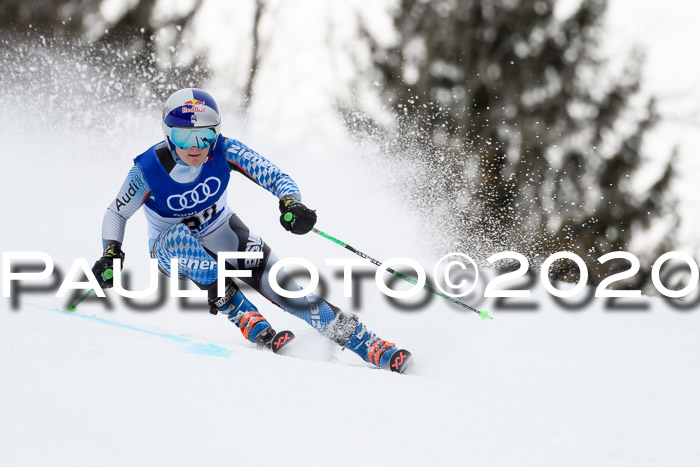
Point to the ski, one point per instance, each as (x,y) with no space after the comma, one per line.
(275,341)
(400,361)
(281,340)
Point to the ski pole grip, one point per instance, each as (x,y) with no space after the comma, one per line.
(108,274)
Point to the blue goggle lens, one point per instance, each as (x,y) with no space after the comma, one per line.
(186,138)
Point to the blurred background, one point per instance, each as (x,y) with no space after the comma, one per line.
(535,126)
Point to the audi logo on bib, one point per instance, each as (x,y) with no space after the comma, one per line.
(195,196)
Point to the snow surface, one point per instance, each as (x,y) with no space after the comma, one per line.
(551,387)
(179,387)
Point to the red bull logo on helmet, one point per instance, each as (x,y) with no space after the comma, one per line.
(193,105)
(194,102)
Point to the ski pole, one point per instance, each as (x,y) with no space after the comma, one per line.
(74,307)
(108,274)
(483,314)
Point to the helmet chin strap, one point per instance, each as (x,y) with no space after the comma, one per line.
(176,158)
(174,155)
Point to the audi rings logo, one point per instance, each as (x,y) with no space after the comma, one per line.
(197,195)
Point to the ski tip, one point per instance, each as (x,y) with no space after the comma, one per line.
(281,339)
(400,361)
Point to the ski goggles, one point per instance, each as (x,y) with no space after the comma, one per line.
(186,138)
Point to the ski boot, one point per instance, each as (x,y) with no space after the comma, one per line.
(248,319)
(353,335)
(240,312)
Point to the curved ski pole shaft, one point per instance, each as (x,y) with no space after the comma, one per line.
(483,314)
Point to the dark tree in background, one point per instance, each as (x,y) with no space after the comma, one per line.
(61,17)
(523,138)
(135,44)
(146,40)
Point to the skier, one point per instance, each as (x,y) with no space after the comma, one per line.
(182,182)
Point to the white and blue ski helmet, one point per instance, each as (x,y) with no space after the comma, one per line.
(190,108)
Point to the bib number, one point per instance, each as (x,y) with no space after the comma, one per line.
(196,222)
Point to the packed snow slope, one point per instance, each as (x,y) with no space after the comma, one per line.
(173,386)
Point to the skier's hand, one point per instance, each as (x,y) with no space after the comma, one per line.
(104,267)
(296,217)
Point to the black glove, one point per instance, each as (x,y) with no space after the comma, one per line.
(296,217)
(104,267)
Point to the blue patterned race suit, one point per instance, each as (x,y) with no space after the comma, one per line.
(189,219)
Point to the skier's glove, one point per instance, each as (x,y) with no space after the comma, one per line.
(104,267)
(296,217)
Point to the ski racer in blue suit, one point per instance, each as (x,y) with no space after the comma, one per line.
(181,183)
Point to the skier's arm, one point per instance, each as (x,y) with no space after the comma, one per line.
(260,170)
(295,217)
(131,196)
